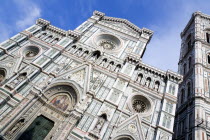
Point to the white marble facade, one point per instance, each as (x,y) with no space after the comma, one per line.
(90,83)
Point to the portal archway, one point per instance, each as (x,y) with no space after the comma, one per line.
(126,137)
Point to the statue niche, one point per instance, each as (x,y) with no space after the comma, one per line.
(102,119)
(17,81)
(14,129)
(2,75)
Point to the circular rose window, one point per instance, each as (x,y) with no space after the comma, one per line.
(140,104)
(108,42)
(30,51)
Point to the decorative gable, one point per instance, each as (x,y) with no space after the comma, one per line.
(130,127)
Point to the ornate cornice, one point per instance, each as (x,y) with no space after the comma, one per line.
(174,76)
(147,31)
(73,34)
(125,21)
(56,30)
(97,13)
(42,22)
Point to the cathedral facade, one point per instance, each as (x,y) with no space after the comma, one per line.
(84,84)
(193,110)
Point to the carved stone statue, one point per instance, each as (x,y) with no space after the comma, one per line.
(1,78)
(17,81)
(17,126)
(44,82)
(99,125)
(84,103)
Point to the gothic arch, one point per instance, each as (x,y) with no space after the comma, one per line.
(208,57)
(124,137)
(77,89)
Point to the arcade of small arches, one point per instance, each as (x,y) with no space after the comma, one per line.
(49,38)
(96,57)
(147,82)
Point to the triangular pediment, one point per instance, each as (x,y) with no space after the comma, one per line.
(11,65)
(79,74)
(131,127)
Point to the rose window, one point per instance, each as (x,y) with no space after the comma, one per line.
(139,106)
(108,42)
(30,51)
(30,54)
(108,45)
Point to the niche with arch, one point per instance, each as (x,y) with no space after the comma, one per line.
(124,138)
(2,74)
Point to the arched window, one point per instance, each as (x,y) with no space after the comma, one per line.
(182,96)
(118,67)
(208,57)
(42,35)
(184,69)
(208,37)
(139,77)
(85,53)
(48,38)
(157,85)
(189,42)
(55,40)
(96,55)
(79,51)
(172,89)
(189,62)
(148,81)
(188,89)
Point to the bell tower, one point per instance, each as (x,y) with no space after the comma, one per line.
(192,114)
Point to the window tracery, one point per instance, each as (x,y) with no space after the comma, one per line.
(140,104)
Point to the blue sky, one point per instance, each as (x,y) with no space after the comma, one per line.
(166,18)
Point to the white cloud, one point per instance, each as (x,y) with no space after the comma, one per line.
(30,11)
